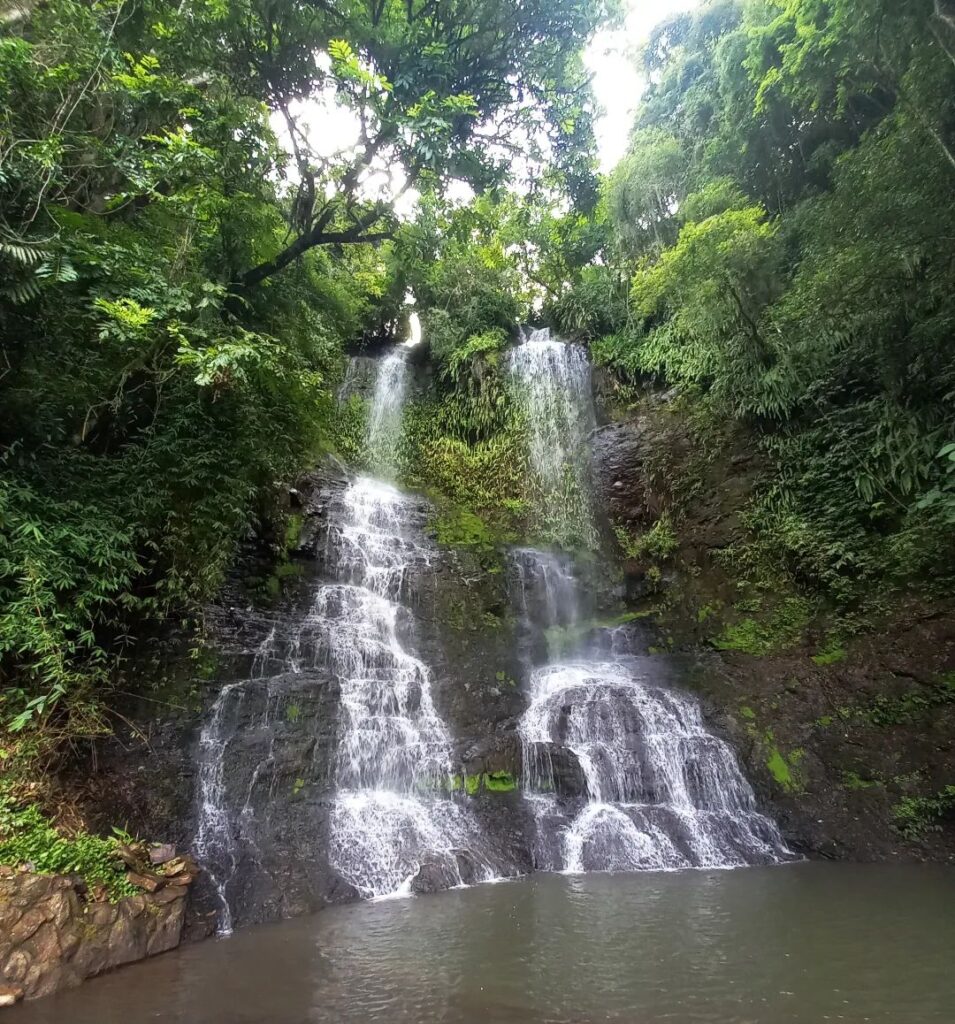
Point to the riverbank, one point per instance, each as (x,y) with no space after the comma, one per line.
(57,930)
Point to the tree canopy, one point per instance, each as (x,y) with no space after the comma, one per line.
(197,218)
(784,215)
(205,204)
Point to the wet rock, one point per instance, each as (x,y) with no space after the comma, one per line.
(51,938)
(146,882)
(131,855)
(162,853)
(620,457)
(10,994)
(560,764)
(433,876)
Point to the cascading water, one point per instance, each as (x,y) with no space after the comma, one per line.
(553,380)
(620,771)
(387,407)
(394,753)
(391,825)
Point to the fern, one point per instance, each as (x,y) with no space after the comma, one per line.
(35,267)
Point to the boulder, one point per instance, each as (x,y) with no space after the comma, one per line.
(146,881)
(52,936)
(433,876)
(161,853)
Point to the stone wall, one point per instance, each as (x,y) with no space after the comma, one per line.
(51,937)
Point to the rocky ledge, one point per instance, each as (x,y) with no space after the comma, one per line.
(54,932)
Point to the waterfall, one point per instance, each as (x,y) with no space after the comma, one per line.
(553,386)
(385,814)
(394,753)
(619,770)
(387,407)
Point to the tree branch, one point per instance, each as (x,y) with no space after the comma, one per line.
(354,235)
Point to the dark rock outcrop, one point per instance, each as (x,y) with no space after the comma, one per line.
(51,937)
(834,742)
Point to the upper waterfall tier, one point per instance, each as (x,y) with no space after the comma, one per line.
(387,409)
(553,385)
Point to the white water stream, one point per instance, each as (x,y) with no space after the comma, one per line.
(393,825)
(655,789)
(394,751)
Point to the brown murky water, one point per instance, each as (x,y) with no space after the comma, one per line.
(803,943)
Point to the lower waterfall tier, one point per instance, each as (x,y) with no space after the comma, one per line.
(622,775)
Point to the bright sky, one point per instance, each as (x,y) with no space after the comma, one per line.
(616,83)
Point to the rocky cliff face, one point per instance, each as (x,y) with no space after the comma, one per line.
(276,731)
(832,749)
(843,744)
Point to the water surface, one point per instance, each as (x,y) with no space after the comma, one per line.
(806,943)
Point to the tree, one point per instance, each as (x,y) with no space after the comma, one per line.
(798,274)
(450,90)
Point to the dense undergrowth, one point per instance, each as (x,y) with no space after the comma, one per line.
(778,248)
(29,839)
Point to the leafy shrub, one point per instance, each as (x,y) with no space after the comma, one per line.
(657,543)
(914,816)
(27,837)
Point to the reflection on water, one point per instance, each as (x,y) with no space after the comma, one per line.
(804,943)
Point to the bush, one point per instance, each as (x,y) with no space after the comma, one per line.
(27,837)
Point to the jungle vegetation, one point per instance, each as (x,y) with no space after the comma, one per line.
(185,261)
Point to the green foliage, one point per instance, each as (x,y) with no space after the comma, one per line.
(491,782)
(27,837)
(915,705)
(915,816)
(347,431)
(942,495)
(657,543)
(458,527)
(177,289)
(831,654)
(484,482)
(854,781)
(778,630)
(499,782)
(779,769)
(785,214)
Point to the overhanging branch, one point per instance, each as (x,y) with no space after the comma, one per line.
(358,234)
